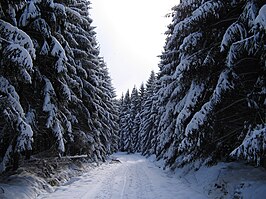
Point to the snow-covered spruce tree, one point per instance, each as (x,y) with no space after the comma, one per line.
(247,56)
(211,82)
(91,104)
(54,85)
(111,106)
(120,103)
(16,65)
(135,108)
(138,117)
(148,115)
(130,121)
(125,123)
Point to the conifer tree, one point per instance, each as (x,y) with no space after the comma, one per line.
(148,116)
(125,123)
(54,86)
(208,82)
(135,108)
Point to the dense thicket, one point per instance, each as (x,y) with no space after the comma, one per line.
(56,95)
(208,101)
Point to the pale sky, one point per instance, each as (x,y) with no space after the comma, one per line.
(131,36)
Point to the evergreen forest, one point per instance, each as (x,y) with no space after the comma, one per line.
(206,103)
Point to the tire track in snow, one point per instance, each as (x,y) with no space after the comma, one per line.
(134,178)
(124,184)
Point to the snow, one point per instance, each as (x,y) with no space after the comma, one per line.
(189,3)
(249,14)
(201,117)
(16,36)
(208,10)
(235,32)
(9,90)
(52,120)
(190,43)
(134,178)
(60,10)
(18,55)
(261,18)
(74,16)
(30,117)
(45,49)
(193,96)
(48,92)
(26,136)
(57,50)
(30,12)
(225,180)
(253,144)
(57,130)
(40,25)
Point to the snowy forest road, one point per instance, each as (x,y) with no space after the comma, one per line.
(134,178)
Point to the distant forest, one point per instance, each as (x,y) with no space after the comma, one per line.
(206,103)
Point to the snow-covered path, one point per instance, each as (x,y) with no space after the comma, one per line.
(134,178)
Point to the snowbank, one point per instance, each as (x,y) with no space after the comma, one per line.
(40,176)
(224,180)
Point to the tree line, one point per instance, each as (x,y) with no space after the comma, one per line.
(56,95)
(207,101)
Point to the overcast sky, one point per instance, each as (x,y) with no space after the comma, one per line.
(131,36)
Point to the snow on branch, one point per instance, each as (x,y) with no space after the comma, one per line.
(249,13)
(48,106)
(60,10)
(191,44)
(58,132)
(25,137)
(31,11)
(16,36)
(13,97)
(260,21)
(20,57)
(235,32)
(188,64)
(40,26)
(74,16)
(192,98)
(189,4)
(65,91)
(193,135)
(52,121)
(253,146)
(249,45)
(14,116)
(58,51)
(210,10)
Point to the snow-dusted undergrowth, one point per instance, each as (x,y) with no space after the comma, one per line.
(38,176)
